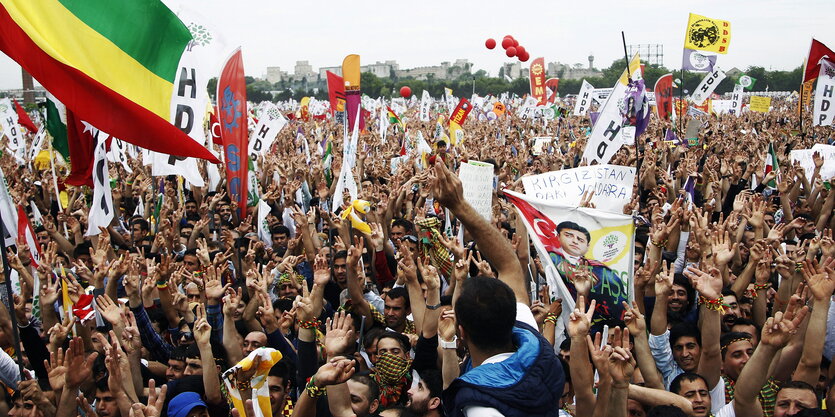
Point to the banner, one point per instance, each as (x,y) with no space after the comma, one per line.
(8,120)
(824,111)
(664,97)
(25,233)
(539,144)
(37,143)
(231,97)
(101,209)
(606,135)
(118,154)
(760,104)
(537,78)
(462,110)
(570,239)
(581,106)
(706,87)
(551,87)
(736,100)
(611,184)
(270,123)
(336,92)
(817,50)
(425,104)
(706,34)
(805,97)
(477,182)
(8,212)
(696,61)
(804,158)
(351,75)
(450,99)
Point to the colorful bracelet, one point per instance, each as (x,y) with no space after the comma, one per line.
(243,385)
(309,324)
(716,304)
(551,318)
(312,390)
(765,286)
(660,244)
(798,266)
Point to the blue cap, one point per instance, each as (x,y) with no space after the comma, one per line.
(183,403)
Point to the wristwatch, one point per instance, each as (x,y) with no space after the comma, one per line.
(433,307)
(448,345)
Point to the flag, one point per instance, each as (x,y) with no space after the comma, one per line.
(393,118)
(706,87)
(736,100)
(336,92)
(351,75)
(56,124)
(101,209)
(747,81)
(23,118)
(425,103)
(697,61)
(214,126)
(816,51)
(690,190)
(8,212)
(551,87)
(824,111)
(9,123)
(771,164)
(83,310)
(269,125)
(361,207)
(114,65)
(258,382)
(26,234)
(231,97)
(263,226)
(583,100)
(664,97)
(670,138)
(82,139)
(461,111)
(706,34)
(537,80)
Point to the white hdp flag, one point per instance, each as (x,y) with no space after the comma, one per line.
(706,87)
(384,123)
(8,120)
(37,143)
(101,211)
(263,227)
(118,153)
(9,213)
(450,99)
(736,100)
(346,174)
(607,134)
(269,125)
(425,103)
(824,112)
(581,106)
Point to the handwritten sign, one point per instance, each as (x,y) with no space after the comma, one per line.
(760,104)
(477,181)
(611,184)
(540,143)
(804,156)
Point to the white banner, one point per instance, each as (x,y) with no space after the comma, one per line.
(736,100)
(581,106)
(824,112)
(722,106)
(425,104)
(269,125)
(804,157)
(611,184)
(8,120)
(477,181)
(606,135)
(7,209)
(539,144)
(118,153)
(101,210)
(570,239)
(37,143)
(707,86)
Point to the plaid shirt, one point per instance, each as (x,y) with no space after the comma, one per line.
(159,349)
(378,318)
(767,395)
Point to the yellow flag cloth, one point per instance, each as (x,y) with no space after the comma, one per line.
(706,34)
(258,383)
(362,207)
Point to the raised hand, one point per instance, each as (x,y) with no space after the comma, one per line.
(621,361)
(55,369)
(722,247)
(335,371)
(820,280)
(109,309)
(429,274)
(79,365)
(664,280)
(778,330)
(447,325)
(633,319)
(202,328)
(708,285)
(446,187)
(339,335)
(579,321)
(213,287)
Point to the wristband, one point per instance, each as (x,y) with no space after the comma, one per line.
(716,304)
(433,307)
(448,344)
(309,324)
(312,390)
(660,244)
(551,318)
(243,385)
(758,287)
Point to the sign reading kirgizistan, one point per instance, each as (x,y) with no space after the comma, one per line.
(611,185)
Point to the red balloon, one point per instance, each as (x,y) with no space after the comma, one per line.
(507,43)
(524,57)
(511,52)
(508,36)
(515,43)
(520,50)
(490,43)
(405,91)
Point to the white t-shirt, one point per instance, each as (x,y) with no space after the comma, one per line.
(523,314)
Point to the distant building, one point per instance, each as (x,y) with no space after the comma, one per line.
(513,70)
(303,69)
(275,75)
(381,69)
(573,72)
(445,71)
(323,72)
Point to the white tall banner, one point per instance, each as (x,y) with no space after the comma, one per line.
(707,86)
(384,123)
(269,125)
(736,100)
(606,135)
(611,185)
(425,103)
(477,182)
(101,210)
(824,112)
(8,120)
(118,153)
(264,228)
(37,143)
(7,209)
(581,106)
(346,174)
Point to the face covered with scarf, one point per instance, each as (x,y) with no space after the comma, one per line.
(393,376)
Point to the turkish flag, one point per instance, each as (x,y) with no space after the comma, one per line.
(817,51)
(82,143)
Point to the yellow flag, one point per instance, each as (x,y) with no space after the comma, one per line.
(706,34)
(258,383)
(358,206)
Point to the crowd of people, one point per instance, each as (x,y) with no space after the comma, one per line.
(382,312)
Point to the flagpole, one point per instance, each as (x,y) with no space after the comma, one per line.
(7,274)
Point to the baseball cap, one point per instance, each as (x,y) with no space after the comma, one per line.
(183,403)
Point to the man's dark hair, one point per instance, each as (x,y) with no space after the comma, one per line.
(486,310)
(102,386)
(741,321)
(400,338)
(666,411)
(400,292)
(434,381)
(405,224)
(39,229)
(281,370)
(179,353)
(343,254)
(682,281)
(143,224)
(370,337)
(373,388)
(675,386)
(731,337)
(574,226)
(566,344)
(82,249)
(728,292)
(685,329)
(799,385)
(280,230)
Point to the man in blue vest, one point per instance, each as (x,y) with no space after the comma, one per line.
(512,369)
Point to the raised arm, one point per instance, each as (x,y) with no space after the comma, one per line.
(709,286)
(448,190)
(821,282)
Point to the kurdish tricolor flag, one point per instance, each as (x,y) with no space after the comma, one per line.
(771,164)
(113,63)
(394,119)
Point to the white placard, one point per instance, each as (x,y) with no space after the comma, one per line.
(612,186)
(477,180)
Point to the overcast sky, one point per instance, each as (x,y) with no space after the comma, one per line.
(769,33)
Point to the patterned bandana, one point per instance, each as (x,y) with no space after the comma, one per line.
(392,374)
(439,254)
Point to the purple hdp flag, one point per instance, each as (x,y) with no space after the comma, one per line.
(593,116)
(697,61)
(636,107)
(690,189)
(671,137)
